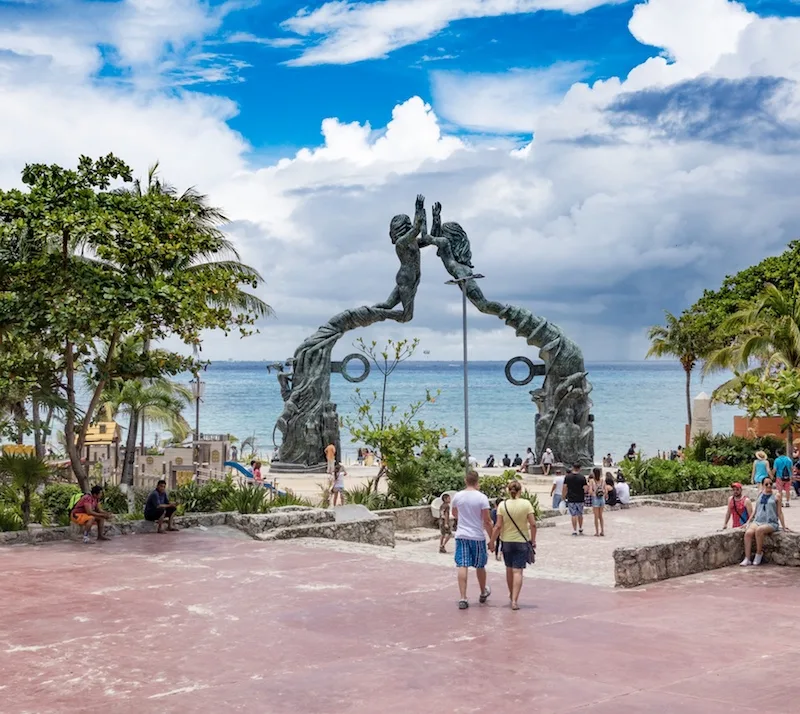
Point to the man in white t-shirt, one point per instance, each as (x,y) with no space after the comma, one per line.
(547,461)
(557,489)
(470,509)
(623,490)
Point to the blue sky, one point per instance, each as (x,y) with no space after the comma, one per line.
(609,158)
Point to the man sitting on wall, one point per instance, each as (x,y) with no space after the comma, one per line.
(87,512)
(158,507)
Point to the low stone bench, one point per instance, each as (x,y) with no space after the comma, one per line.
(651,563)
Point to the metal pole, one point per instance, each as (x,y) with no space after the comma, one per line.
(466,379)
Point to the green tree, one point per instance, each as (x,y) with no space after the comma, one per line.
(387,360)
(85,266)
(677,338)
(25,474)
(714,308)
(775,393)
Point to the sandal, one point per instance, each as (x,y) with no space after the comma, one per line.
(463,604)
(441,549)
(514,606)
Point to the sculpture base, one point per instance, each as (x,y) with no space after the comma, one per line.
(281,467)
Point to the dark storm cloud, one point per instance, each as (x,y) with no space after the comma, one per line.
(742,112)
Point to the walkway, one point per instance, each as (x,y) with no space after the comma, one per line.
(207,621)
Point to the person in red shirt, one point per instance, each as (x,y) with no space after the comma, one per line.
(87,512)
(739,508)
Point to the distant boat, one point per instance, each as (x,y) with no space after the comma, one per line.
(426,352)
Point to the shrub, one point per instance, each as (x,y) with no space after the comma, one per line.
(114,500)
(495,486)
(534,499)
(10,518)
(441,471)
(364,496)
(246,498)
(207,498)
(56,499)
(406,484)
(730,450)
(656,476)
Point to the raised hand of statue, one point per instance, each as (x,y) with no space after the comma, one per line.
(436,209)
(419,211)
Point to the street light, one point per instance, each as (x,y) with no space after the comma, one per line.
(461,282)
(198,390)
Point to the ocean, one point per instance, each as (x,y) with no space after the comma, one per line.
(640,402)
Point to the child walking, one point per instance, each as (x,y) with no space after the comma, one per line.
(445,526)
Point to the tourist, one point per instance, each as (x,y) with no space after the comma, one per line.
(558,487)
(158,507)
(87,512)
(471,510)
(514,517)
(517,461)
(251,468)
(768,519)
(760,468)
(330,457)
(608,462)
(796,479)
(337,487)
(623,490)
(597,489)
(679,454)
(547,461)
(445,526)
(274,457)
(489,462)
(360,458)
(493,515)
(611,491)
(575,488)
(447,449)
(631,453)
(530,461)
(506,461)
(740,509)
(782,469)
(473,462)
(257,473)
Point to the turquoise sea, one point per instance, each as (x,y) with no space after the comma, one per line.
(633,401)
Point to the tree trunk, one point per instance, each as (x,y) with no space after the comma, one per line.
(38,444)
(789,440)
(26,506)
(141,426)
(689,398)
(73,451)
(129,464)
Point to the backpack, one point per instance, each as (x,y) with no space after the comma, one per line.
(73,501)
(786,474)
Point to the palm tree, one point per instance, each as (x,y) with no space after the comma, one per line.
(26,474)
(219,256)
(158,401)
(676,339)
(767,339)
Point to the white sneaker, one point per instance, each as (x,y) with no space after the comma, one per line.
(745,562)
(85,537)
(758,559)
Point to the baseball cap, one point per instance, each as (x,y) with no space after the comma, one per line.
(736,485)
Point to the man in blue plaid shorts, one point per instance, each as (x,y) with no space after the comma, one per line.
(471,511)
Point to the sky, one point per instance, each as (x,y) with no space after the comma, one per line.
(609,159)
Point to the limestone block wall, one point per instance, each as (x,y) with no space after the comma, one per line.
(407,518)
(651,563)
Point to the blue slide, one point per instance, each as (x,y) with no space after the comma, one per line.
(241,469)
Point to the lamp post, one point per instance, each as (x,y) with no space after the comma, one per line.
(198,390)
(462,283)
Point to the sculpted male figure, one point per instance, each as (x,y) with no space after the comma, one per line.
(404,237)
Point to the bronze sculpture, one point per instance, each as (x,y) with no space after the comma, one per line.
(564,421)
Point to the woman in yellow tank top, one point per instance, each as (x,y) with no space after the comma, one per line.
(515,520)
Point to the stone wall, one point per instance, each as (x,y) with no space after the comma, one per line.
(279,524)
(375,531)
(651,563)
(708,498)
(407,518)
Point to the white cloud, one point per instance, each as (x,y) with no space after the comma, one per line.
(505,102)
(247,37)
(352,31)
(598,225)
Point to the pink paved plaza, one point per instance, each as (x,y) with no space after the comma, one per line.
(207,622)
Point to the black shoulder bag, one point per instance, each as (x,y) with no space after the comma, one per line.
(531,547)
